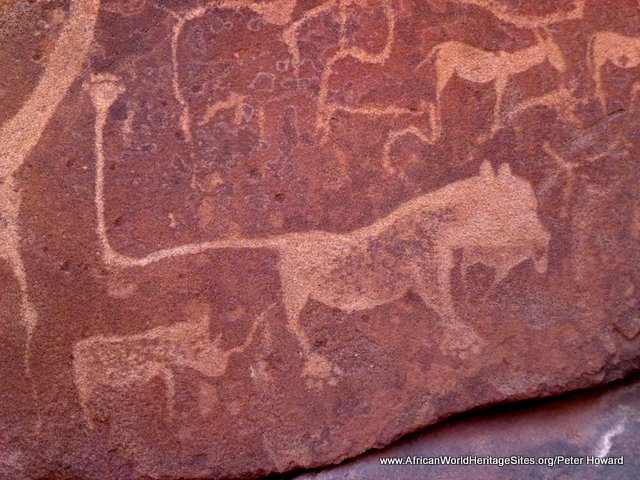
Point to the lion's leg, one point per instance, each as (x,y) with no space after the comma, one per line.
(85,377)
(295,298)
(445,266)
(85,390)
(143,374)
(166,375)
(435,294)
(457,336)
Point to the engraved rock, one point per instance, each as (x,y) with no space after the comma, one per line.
(242,237)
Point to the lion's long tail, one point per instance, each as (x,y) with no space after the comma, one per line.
(125,261)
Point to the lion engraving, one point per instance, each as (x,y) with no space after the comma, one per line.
(491,217)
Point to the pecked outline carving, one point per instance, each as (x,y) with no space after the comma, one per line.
(336,269)
(480,66)
(20,134)
(325,109)
(127,360)
(516,61)
(621,50)
(499,11)
(278,12)
(48,103)
(538,26)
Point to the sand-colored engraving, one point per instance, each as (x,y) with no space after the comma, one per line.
(621,50)
(562,100)
(326,109)
(635,91)
(277,12)
(500,10)
(412,248)
(234,101)
(130,360)
(480,66)
(20,134)
(181,20)
(565,167)
(429,138)
(569,172)
(290,34)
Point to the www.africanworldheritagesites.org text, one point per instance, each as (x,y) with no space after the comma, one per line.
(501,461)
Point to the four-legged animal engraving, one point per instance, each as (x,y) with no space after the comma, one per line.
(412,248)
(125,361)
(622,51)
(480,66)
(502,11)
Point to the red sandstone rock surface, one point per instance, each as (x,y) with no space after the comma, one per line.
(240,237)
(581,427)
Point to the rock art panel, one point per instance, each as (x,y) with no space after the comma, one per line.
(302,229)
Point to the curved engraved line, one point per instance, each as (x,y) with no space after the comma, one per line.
(608,46)
(326,109)
(290,34)
(22,133)
(185,114)
(111,256)
(527,21)
(429,138)
(273,12)
(98,361)
(105,91)
(300,285)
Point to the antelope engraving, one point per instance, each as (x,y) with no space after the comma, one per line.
(481,66)
(125,361)
(491,217)
(503,11)
(620,50)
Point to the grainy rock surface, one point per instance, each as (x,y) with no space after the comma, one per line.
(239,237)
(580,427)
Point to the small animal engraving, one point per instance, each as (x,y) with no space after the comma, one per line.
(621,50)
(125,361)
(504,12)
(481,66)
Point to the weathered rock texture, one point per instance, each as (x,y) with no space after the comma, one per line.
(602,423)
(240,237)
